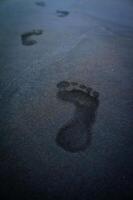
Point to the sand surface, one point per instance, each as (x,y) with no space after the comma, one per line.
(89,42)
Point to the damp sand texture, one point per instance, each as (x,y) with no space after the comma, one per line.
(66,99)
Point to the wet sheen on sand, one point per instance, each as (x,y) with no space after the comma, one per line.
(58,139)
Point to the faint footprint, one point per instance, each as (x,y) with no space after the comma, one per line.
(75,135)
(40,3)
(26,38)
(62,13)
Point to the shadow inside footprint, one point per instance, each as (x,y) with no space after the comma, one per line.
(62,13)
(40,3)
(26,38)
(75,135)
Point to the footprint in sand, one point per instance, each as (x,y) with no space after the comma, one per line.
(62,13)
(40,3)
(75,135)
(26,38)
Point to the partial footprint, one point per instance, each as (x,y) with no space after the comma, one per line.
(40,3)
(26,38)
(75,135)
(62,13)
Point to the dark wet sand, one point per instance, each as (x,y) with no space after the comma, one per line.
(93,47)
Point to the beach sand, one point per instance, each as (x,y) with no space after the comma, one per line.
(58,139)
